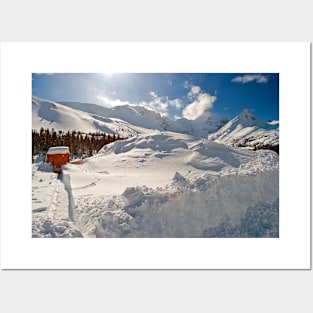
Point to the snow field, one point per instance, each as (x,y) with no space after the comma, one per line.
(173,185)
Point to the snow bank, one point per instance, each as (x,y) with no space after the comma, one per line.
(51,205)
(46,227)
(166,184)
(247,205)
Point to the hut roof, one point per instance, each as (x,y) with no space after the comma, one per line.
(58,150)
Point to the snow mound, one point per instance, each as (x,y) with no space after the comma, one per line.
(166,184)
(225,207)
(45,227)
(262,220)
(179,150)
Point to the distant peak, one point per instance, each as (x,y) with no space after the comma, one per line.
(247,115)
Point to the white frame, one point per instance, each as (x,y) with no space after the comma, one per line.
(291,251)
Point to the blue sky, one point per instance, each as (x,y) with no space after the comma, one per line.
(174,95)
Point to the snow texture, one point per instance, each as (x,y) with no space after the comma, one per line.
(50,205)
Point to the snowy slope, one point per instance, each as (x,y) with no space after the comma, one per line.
(49,114)
(135,115)
(246,131)
(165,184)
(202,126)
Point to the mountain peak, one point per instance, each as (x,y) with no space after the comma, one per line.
(246,115)
(245,130)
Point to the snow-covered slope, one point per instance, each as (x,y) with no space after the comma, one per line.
(163,184)
(202,126)
(49,114)
(135,115)
(246,131)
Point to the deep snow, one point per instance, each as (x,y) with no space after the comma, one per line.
(51,215)
(160,184)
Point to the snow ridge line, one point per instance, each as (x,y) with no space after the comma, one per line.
(71,203)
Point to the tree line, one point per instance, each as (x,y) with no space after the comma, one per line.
(267,147)
(80,144)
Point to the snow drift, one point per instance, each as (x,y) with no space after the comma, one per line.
(173,185)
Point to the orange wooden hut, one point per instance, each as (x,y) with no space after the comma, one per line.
(58,156)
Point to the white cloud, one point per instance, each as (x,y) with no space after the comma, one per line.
(110,102)
(159,104)
(199,102)
(195,90)
(202,103)
(259,78)
(177,103)
(153,94)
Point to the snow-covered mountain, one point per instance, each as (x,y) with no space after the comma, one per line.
(142,117)
(49,114)
(202,126)
(134,115)
(124,120)
(245,130)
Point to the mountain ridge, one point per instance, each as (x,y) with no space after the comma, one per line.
(244,130)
